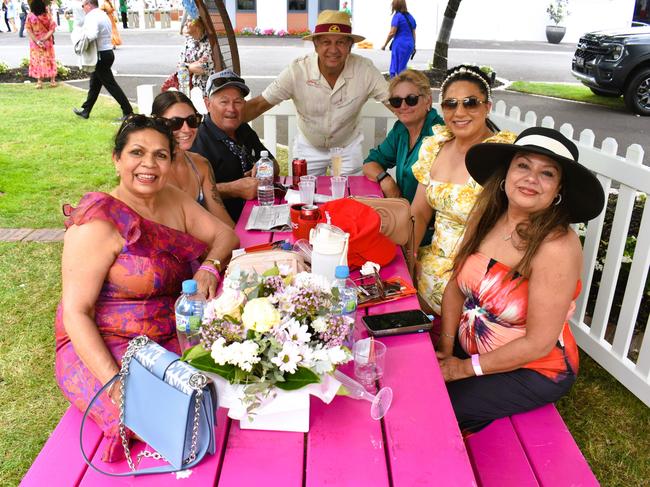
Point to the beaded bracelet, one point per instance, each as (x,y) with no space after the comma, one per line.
(443,334)
(211,270)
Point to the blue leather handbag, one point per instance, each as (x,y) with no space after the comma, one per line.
(167,403)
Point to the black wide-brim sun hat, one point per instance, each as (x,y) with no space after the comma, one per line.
(582,194)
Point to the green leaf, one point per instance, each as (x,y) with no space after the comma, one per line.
(273,271)
(205,362)
(300,378)
(194,352)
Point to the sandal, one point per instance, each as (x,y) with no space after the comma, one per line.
(53,84)
(39,86)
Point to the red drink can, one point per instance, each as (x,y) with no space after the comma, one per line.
(309,212)
(309,216)
(298,168)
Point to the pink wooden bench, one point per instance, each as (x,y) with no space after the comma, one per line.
(529,449)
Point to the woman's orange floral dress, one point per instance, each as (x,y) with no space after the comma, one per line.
(137,298)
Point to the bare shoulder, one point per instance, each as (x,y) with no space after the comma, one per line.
(94,234)
(201,163)
(560,249)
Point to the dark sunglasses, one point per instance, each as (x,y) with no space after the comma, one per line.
(411,100)
(142,121)
(469,103)
(193,121)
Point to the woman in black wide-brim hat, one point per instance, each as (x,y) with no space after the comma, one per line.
(506,346)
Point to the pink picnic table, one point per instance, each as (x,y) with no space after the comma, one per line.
(417,443)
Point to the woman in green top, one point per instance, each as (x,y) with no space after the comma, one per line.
(410,100)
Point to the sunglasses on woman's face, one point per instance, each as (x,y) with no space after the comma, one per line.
(469,103)
(411,100)
(193,121)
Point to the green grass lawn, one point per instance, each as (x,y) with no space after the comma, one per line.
(49,156)
(575,92)
(54,157)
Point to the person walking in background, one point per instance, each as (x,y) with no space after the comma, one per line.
(346,9)
(5,13)
(402,32)
(107,7)
(11,14)
(123,11)
(24,10)
(97,27)
(40,29)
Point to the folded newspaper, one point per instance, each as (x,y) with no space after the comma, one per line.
(266,218)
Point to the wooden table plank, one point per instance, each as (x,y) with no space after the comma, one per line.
(262,458)
(362,186)
(421,414)
(205,473)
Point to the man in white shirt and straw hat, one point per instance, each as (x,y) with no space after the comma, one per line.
(329,88)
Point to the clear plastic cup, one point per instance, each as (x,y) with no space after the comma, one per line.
(339,185)
(369,361)
(307,190)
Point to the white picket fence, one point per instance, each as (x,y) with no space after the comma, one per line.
(631,177)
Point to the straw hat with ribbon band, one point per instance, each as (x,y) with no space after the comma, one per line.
(363,223)
(333,22)
(223,79)
(582,194)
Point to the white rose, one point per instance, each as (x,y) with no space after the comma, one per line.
(229,303)
(260,315)
(319,324)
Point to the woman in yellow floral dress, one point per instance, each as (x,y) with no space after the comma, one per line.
(445,186)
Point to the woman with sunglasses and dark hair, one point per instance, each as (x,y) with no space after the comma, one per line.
(190,172)
(445,186)
(125,256)
(410,100)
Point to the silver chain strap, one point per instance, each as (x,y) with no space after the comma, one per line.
(197,382)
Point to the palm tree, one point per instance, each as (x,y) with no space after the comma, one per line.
(442,44)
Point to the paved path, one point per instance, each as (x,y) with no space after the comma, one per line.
(31,234)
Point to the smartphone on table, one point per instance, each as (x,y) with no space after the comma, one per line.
(398,323)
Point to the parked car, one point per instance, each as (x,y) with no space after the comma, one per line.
(615,63)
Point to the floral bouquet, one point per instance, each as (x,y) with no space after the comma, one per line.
(272,330)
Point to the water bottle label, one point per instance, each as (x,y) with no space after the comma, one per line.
(187,324)
(350,306)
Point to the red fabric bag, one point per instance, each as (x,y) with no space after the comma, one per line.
(363,224)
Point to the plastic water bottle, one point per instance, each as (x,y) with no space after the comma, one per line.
(347,299)
(265,194)
(183,75)
(189,313)
(347,291)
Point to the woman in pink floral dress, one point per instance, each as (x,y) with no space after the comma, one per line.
(125,255)
(40,29)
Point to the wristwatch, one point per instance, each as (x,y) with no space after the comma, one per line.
(382,175)
(216,263)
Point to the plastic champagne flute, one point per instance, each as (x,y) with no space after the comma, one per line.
(379,403)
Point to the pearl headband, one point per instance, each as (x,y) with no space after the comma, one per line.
(469,72)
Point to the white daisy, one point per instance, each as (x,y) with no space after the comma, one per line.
(288,358)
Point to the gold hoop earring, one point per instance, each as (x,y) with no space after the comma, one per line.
(502,185)
(558,197)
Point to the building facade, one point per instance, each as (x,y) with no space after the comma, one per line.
(498,20)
